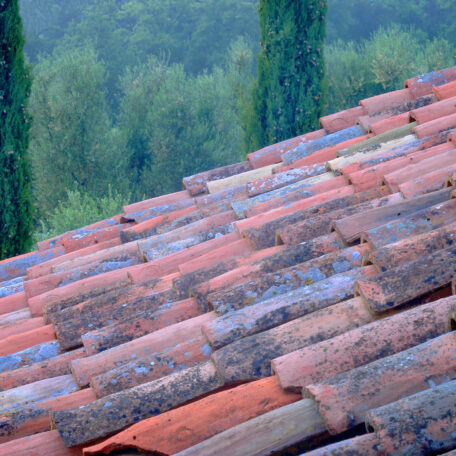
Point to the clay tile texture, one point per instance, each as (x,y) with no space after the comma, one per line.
(298,302)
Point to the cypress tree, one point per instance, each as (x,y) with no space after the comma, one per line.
(15,82)
(288,98)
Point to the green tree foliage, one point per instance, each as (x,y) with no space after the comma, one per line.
(175,125)
(73,143)
(380,64)
(355,20)
(288,97)
(78,210)
(15,201)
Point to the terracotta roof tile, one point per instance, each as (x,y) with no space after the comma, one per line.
(445,91)
(44,363)
(31,419)
(365,445)
(186,426)
(344,399)
(420,423)
(422,85)
(218,302)
(410,280)
(196,184)
(86,368)
(273,154)
(13,303)
(276,311)
(265,434)
(351,227)
(363,345)
(342,120)
(420,222)
(304,150)
(44,444)
(113,413)
(139,324)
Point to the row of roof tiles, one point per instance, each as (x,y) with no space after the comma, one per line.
(275,303)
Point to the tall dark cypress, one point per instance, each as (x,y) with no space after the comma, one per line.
(15,83)
(288,98)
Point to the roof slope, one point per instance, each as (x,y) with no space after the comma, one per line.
(272,304)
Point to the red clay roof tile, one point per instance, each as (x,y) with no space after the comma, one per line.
(341,120)
(113,413)
(417,424)
(407,281)
(363,345)
(196,184)
(139,324)
(18,342)
(415,170)
(13,303)
(422,85)
(190,424)
(445,91)
(86,368)
(43,444)
(434,111)
(272,154)
(36,370)
(344,399)
(386,101)
(31,419)
(382,126)
(350,228)
(435,126)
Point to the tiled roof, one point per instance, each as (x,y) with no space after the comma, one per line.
(277,303)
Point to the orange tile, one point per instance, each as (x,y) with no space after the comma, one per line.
(83,287)
(20,327)
(148,228)
(435,126)
(272,154)
(261,219)
(87,368)
(363,345)
(445,91)
(418,169)
(190,424)
(13,302)
(44,444)
(46,268)
(19,342)
(139,324)
(434,111)
(170,264)
(322,187)
(429,182)
(157,201)
(386,101)
(35,371)
(341,120)
(424,84)
(343,400)
(31,419)
(231,250)
(390,123)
